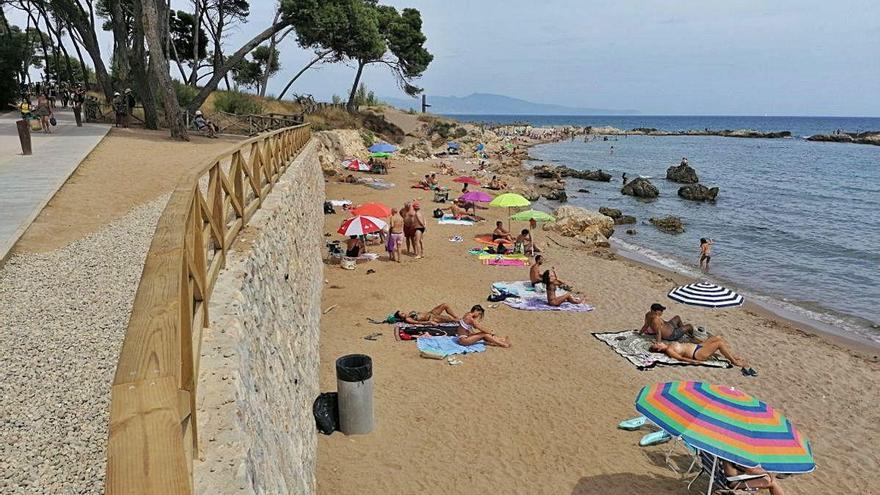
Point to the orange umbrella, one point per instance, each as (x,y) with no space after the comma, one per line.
(377,210)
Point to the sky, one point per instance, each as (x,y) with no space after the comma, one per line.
(659,57)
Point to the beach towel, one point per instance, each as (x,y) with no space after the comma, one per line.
(522,288)
(406,331)
(339,202)
(490,256)
(540,304)
(420,186)
(451,220)
(502,261)
(634,348)
(447,346)
(487,239)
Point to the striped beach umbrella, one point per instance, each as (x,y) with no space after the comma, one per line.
(707,295)
(356,165)
(728,424)
(361,225)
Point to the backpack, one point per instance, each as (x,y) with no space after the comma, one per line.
(328,208)
(438,213)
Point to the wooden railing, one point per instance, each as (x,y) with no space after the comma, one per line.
(153,436)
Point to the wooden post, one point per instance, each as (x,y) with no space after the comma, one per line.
(77,115)
(24,135)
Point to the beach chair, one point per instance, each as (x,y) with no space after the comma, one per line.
(719,482)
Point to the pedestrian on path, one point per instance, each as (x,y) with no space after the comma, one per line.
(44,113)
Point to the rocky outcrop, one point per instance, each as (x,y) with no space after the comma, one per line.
(698,192)
(551,172)
(683,174)
(554,191)
(640,188)
(589,227)
(625,220)
(870,137)
(668,224)
(526,191)
(618,216)
(335,146)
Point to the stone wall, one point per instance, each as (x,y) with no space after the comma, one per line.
(259,360)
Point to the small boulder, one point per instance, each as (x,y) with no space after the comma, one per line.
(582,190)
(631,231)
(611,212)
(640,188)
(594,175)
(698,192)
(624,220)
(528,192)
(556,195)
(683,174)
(668,224)
(546,172)
(590,227)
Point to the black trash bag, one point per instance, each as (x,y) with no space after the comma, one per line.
(328,208)
(326,411)
(438,213)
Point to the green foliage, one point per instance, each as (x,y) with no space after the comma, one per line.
(459,133)
(237,102)
(368,137)
(60,73)
(337,99)
(181,27)
(185,93)
(444,129)
(250,73)
(364,98)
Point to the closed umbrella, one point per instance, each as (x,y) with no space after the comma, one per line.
(727,424)
(382,148)
(377,210)
(510,200)
(706,295)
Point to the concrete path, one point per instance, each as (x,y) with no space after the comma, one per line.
(27,183)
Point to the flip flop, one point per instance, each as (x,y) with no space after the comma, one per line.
(633,424)
(373,336)
(655,438)
(749,372)
(453,361)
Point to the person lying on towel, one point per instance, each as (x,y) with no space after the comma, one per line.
(698,353)
(440,314)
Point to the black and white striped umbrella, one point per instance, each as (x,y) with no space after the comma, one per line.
(706,295)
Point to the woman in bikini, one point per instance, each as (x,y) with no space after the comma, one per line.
(470,331)
(441,314)
(551,282)
(698,353)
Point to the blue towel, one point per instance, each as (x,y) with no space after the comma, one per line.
(447,346)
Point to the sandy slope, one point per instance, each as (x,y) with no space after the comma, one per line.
(540,417)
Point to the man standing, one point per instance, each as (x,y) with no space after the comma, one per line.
(120,107)
(395,235)
(129,103)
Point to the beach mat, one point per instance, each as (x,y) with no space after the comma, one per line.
(487,239)
(634,348)
(406,331)
(451,220)
(447,346)
(540,304)
(501,261)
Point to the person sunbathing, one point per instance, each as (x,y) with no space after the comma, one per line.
(500,233)
(768,482)
(698,353)
(440,314)
(470,331)
(551,283)
(460,213)
(673,329)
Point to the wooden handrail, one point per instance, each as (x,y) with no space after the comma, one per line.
(153,435)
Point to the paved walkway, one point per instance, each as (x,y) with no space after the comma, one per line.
(27,183)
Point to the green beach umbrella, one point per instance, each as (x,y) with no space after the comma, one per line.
(538,216)
(380,154)
(510,200)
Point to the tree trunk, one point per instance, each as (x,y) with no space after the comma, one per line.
(232,62)
(350,106)
(302,71)
(82,62)
(80,20)
(120,41)
(272,42)
(153,25)
(194,75)
(143,82)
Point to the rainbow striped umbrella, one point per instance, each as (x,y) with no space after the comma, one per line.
(728,424)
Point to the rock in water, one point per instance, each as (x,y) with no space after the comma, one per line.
(698,192)
(624,219)
(611,212)
(590,227)
(556,195)
(631,231)
(669,224)
(640,188)
(683,174)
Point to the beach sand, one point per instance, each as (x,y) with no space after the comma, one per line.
(541,416)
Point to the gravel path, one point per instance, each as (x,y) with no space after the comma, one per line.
(62,320)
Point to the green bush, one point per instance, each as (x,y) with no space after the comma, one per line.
(185,94)
(237,102)
(460,132)
(368,137)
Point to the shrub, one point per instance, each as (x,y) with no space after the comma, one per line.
(459,133)
(237,102)
(185,94)
(368,137)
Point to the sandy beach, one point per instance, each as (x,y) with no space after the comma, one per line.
(541,416)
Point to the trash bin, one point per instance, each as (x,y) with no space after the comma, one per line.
(354,383)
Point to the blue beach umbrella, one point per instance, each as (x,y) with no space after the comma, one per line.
(480,147)
(382,148)
(453,145)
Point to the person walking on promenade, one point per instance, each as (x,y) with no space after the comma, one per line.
(44,113)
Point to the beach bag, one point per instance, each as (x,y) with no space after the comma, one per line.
(326,412)
(328,208)
(53,121)
(35,125)
(438,213)
(348,263)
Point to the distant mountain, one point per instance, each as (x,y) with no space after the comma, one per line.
(490,104)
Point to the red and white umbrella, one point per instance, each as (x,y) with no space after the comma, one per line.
(361,225)
(357,165)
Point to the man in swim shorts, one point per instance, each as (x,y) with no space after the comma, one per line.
(395,235)
(672,329)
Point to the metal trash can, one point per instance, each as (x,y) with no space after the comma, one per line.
(354,383)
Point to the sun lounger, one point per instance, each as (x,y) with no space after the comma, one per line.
(719,482)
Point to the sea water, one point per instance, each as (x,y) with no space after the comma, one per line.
(795,224)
